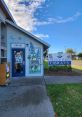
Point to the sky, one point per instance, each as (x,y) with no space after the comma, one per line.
(58,22)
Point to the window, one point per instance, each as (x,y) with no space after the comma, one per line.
(3,60)
(3,53)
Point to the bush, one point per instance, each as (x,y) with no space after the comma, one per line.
(56,68)
(60,68)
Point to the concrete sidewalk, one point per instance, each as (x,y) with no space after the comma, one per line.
(25,98)
(62,79)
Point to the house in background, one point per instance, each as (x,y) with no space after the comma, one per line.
(20,48)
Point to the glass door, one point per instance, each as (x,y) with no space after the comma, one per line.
(18,62)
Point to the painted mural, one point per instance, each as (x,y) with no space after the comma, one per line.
(34,59)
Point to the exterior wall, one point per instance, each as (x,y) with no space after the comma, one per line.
(3,36)
(17,37)
(3,43)
(0,42)
(2,15)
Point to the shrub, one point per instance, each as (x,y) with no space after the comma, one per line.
(56,68)
(60,68)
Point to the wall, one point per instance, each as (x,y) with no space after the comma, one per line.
(3,43)
(2,32)
(0,42)
(2,15)
(16,36)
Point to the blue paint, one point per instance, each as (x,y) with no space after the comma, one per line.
(59,63)
(18,62)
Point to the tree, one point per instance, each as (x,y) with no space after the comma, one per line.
(80,55)
(46,54)
(70,51)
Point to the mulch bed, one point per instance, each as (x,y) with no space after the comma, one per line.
(61,73)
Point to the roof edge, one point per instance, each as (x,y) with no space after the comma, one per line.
(29,34)
(8,11)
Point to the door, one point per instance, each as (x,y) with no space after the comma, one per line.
(18,62)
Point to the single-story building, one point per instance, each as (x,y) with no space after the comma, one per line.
(24,51)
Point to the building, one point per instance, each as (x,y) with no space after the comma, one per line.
(20,48)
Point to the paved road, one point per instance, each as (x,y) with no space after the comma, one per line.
(62,79)
(25,98)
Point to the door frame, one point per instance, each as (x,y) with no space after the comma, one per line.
(19,47)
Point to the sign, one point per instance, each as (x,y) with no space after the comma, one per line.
(18,45)
(59,59)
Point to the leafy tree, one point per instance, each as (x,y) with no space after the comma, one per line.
(80,55)
(46,54)
(70,51)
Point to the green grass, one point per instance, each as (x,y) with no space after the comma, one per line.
(77,67)
(78,60)
(77,64)
(66,99)
(46,65)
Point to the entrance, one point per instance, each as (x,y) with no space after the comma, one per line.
(18,62)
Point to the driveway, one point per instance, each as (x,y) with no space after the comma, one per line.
(62,79)
(25,98)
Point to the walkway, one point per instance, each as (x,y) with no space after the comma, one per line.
(25,98)
(62,79)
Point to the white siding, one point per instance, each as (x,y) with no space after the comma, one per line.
(2,29)
(16,36)
(0,42)
(2,15)
(3,35)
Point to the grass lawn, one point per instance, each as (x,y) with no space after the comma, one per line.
(46,64)
(66,99)
(77,64)
(77,67)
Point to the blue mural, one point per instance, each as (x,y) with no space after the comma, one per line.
(34,59)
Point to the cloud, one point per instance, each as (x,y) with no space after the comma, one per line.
(23,12)
(59,20)
(42,36)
